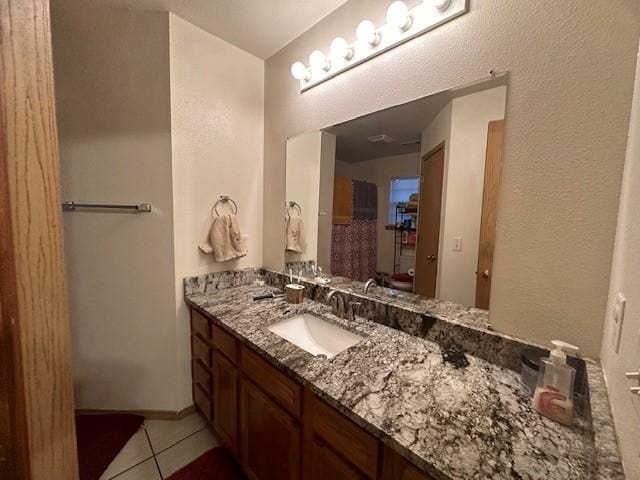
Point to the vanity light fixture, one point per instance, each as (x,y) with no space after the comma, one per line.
(441,5)
(403,24)
(300,72)
(319,61)
(340,49)
(366,33)
(398,15)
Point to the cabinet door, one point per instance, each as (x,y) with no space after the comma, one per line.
(398,468)
(225,401)
(269,437)
(325,464)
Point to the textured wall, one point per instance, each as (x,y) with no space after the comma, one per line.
(112,94)
(567,117)
(217,140)
(625,278)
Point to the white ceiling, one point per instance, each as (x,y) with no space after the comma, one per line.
(260,27)
(403,123)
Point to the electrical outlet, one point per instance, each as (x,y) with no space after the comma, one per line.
(457,244)
(617,314)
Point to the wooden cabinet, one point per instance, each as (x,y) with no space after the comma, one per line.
(398,468)
(275,428)
(348,442)
(225,398)
(286,392)
(326,464)
(269,437)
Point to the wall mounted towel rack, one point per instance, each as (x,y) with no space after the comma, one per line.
(71,206)
(291,204)
(224,199)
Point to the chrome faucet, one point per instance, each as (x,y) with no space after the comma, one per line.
(342,309)
(369,284)
(339,308)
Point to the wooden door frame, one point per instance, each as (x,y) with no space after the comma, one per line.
(34,323)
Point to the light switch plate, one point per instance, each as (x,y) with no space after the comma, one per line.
(618,318)
(457,244)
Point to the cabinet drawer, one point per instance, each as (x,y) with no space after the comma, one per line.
(282,389)
(200,350)
(343,435)
(224,342)
(201,399)
(200,324)
(201,375)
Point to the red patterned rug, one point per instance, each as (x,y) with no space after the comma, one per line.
(100,438)
(216,464)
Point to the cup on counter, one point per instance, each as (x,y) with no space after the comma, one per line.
(295,292)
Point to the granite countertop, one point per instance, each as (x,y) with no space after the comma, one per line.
(443,309)
(472,423)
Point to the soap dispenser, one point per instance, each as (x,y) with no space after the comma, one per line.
(553,396)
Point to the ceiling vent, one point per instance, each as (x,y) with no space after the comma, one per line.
(411,143)
(384,138)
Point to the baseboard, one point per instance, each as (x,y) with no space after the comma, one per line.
(150,414)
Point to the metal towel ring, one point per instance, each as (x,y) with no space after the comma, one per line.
(291,205)
(224,199)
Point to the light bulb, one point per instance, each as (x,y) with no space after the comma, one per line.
(441,5)
(366,33)
(319,61)
(340,49)
(398,15)
(300,72)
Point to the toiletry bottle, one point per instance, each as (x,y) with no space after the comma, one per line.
(553,396)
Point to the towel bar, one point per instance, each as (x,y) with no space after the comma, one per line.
(137,208)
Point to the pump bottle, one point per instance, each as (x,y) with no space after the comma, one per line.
(553,396)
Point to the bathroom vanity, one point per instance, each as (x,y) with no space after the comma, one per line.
(386,408)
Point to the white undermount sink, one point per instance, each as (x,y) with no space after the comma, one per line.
(315,335)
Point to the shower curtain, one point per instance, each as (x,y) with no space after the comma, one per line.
(354,245)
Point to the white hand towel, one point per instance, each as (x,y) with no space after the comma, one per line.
(225,240)
(295,235)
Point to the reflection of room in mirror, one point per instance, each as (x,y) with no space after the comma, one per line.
(406,195)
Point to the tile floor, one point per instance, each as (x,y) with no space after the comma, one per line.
(160,448)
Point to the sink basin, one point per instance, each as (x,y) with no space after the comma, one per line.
(315,335)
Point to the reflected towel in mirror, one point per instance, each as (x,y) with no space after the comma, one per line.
(295,235)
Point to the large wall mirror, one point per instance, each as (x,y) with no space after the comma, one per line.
(406,196)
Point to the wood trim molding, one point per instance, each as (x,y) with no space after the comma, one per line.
(150,414)
(33,295)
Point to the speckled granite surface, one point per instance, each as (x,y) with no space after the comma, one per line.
(448,324)
(474,423)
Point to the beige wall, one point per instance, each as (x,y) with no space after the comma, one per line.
(568,110)
(150,108)
(112,93)
(217,141)
(380,171)
(465,140)
(325,203)
(303,187)
(625,278)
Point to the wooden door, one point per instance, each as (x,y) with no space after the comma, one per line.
(493,161)
(225,401)
(325,464)
(269,437)
(37,434)
(431,179)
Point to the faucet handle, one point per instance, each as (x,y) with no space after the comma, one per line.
(353,309)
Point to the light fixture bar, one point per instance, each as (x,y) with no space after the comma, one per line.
(425,16)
